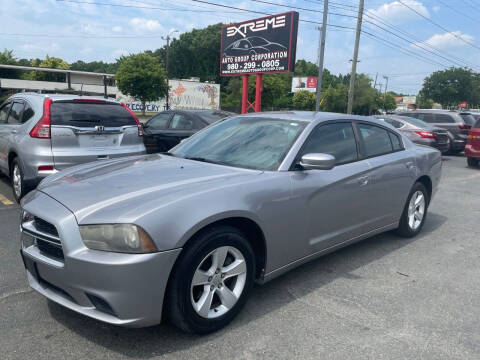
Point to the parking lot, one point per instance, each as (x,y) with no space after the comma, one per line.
(385,297)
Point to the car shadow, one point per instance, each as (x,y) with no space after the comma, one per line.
(165,339)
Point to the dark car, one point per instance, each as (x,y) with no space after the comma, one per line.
(252,45)
(166,129)
(472,149)
(419,131)
(456,123)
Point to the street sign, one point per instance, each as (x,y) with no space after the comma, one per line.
(263,45)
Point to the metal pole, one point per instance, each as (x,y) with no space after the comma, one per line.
(375,84)
(245,94)
(166,70)
(355,58)
(105,86)
(321,55)
(258,93)
(385,94)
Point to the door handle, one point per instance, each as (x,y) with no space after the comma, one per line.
(363,180)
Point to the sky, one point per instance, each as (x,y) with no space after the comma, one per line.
(439,34)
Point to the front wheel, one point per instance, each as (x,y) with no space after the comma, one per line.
(211,281)
(415,211)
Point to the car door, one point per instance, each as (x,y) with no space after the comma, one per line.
(390,174)
(4,111)
(155,133)
(333,201)
(181,127)
(9,129)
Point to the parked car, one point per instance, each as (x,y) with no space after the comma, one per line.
(168,128)
(41,134)
(188,232)
(472,149)
(419,131)
(456,123)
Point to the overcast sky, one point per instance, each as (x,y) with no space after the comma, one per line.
(78,30)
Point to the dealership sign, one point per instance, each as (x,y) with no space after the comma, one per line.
(264,45)
(304,83)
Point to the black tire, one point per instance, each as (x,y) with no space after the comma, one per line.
(22,189)
(179,308)
(472,162)
(404,229)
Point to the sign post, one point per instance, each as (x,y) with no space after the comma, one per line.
(265,45)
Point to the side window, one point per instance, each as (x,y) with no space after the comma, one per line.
(427,117)
(336,139)
(159,122)
(15,113)
(396,124)
(396,143)
(4,113)
(181,122)
(376,140)
(444,118)
(27,113)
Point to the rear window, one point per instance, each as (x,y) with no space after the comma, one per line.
(211,117)
(90,114)
(468,119)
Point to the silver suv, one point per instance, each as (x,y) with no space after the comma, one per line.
(42,134)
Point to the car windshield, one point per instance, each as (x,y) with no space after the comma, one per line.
(258,41)
(247,142)
(417,122)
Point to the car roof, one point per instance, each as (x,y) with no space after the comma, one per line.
(308,116)
(56,97)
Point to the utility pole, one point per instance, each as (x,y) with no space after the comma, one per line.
(167,38)
(385,94)
(321,55)
(375,84)
(355,58)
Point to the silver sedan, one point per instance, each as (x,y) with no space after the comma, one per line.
(187,233)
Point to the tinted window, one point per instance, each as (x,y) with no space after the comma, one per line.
(4,113)
(468,119)
(15,113)
(181,122)
(395,139)
(376,140)
(159,121)
(336,139)
(257,143)
(90,114)
(427,117)
(444,118)
(212,116)
(394,123)
(417,122)
(27,113)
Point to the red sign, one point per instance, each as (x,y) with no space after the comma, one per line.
(312,82)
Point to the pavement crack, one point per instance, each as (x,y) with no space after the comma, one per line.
(13,293)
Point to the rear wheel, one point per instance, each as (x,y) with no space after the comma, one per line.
(472,162)
(18,183)
(415,211)
(211,281)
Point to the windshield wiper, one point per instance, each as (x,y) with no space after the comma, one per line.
(202,159)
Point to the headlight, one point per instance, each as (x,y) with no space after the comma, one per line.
(124,238)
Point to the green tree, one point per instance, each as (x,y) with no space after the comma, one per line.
(304,100)
(7,58)
(452,86)
(142,77)
(49,63)
(334,99)
(423,102)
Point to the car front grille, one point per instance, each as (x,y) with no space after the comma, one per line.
(45,236)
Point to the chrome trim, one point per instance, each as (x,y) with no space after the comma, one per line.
(30,229)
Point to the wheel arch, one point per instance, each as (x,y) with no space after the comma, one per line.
(11,155)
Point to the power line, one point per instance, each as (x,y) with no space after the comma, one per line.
(457,11)
(304,9)
(439,26)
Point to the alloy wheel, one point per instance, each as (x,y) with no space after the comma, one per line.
(17,181)
(218,282)
(416,210)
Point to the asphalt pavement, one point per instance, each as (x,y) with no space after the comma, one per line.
(382,298)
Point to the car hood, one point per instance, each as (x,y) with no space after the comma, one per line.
(122,186)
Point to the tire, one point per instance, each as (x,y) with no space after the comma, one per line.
(197,262)
(19,187)
(405,228)
(472,162)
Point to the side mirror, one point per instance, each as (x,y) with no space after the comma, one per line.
(317,161)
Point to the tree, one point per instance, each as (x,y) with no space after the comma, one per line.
(49,63)
(142,77)
(452,86)
(7,58)
(335,99)
(423,102)
(304,100)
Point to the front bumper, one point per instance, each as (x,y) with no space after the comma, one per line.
(120,289)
